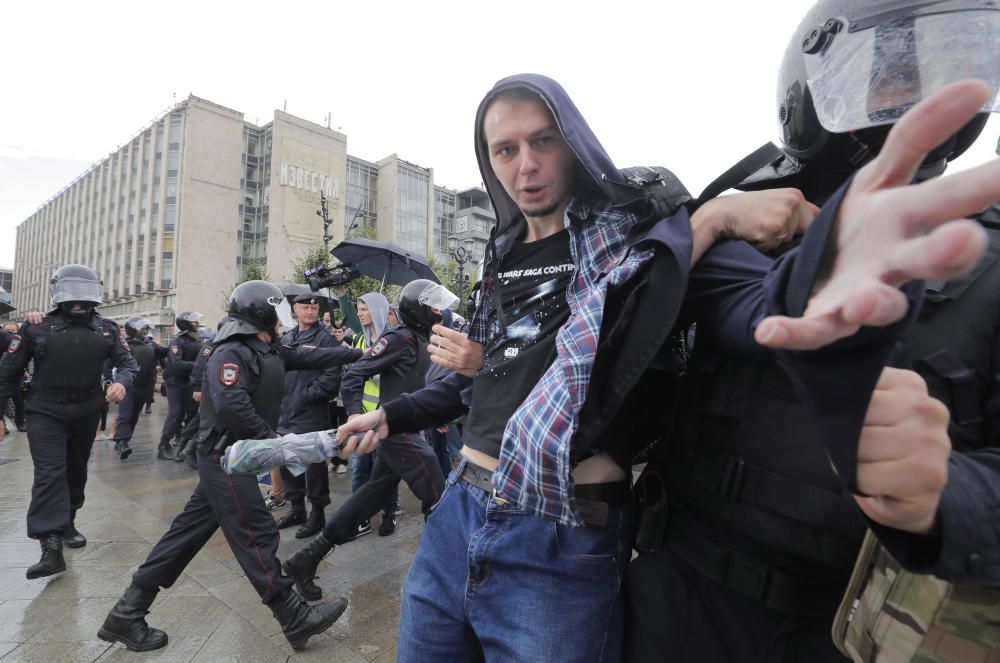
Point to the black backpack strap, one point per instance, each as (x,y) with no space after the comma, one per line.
(748,165)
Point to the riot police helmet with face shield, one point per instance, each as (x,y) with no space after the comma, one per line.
(137,328)
(253,307)
(76,290)
(421,303)
(187,321)
(854,67)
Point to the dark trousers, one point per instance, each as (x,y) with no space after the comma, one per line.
(406,457)
(60,437)
(149,394)
(314,484)
(191,425)
(181,407)
(18,399)
(675,613)
(234,503)
(128,413)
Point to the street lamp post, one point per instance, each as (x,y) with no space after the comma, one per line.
(463,256)
(324,213)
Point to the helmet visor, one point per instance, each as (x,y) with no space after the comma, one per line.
(190,316)
(77,290)
(284,310)
(439,297)
(871,76)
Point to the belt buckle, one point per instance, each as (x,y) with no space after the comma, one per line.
(495,496)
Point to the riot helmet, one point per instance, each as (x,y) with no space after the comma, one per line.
(138,327)
(76,290)
(6,302)
(187,321)
(420,303)
(853,67)
(256,303)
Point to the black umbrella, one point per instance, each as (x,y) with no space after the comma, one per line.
(385,261)
(327,302)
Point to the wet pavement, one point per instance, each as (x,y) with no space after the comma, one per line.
(212,613)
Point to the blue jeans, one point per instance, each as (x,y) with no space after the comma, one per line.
(361,471)
(491,582)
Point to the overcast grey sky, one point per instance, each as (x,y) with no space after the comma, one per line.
(686,85)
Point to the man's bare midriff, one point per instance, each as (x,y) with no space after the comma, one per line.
(596,469)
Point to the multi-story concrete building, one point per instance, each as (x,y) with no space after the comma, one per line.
(172,219)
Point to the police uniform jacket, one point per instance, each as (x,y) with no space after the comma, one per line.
(399,356)
(180,359)
(244,383)
(69,358)
(308,392)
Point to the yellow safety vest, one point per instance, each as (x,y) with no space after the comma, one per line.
(369,399)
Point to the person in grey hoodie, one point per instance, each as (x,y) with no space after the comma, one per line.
(373,314)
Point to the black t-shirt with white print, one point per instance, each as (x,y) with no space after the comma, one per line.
(531,290)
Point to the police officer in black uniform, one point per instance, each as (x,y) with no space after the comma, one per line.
(400,357)
(747,535)
(241,399)
(147,355)
(306,408)
(187,451)
(6,306)
(69,348)
(180,361)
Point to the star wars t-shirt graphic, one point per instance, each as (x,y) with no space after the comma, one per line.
(530,293)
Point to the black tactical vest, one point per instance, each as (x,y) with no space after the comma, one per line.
(392,384)
(748,463)
(71,358)
(266,398)
(145,356)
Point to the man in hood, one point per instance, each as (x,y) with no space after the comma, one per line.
(373,314)
(524,554)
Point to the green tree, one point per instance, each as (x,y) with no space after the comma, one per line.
(254,272)
(315,256)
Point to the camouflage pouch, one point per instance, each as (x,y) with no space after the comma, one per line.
(889,614)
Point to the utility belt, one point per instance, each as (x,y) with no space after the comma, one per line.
(215,443)
(593,500)
(660,528)
(63,395)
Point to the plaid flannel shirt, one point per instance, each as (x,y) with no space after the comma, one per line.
(535,468)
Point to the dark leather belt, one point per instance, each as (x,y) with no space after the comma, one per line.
(64,395)
(593,500)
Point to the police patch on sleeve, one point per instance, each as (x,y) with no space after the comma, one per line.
(15,343)
(229,374)
(379,347)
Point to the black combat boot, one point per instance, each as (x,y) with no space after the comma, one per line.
(123,449)
(302,566)
(52,561)
(181,450)
(165,451)
(126,623)
(300,621)
(72,537)
(295,516)
(314,525)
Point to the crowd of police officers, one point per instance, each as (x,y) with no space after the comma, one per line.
(746,535)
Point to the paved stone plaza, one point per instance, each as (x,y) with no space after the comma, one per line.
(212,613)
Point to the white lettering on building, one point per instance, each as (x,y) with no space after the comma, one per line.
(309,180)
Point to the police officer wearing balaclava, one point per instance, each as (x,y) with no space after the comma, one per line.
(180,362)
(69,348)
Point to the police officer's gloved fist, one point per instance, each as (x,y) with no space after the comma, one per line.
(362,433)
(903,453)
(889,231)
(453,349)
(115,392)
